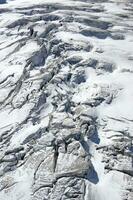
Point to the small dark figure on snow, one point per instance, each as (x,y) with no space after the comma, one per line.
(31,30)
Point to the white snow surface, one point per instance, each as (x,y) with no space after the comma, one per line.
(20,91)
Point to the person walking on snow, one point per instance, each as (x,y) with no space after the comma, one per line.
(31,31)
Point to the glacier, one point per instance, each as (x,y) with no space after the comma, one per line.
(66,100)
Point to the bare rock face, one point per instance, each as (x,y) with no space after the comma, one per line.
(2,1)
(66,114)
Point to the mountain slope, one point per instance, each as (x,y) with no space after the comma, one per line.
(66,96)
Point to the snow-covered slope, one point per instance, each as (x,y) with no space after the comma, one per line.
(66,100)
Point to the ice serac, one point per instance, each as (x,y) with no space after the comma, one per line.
(66,100)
